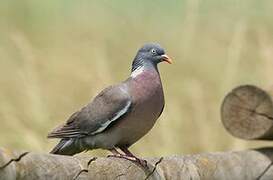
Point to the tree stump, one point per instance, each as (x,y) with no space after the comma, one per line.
(247,113)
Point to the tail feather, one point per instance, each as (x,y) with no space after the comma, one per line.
(58,147)
(66,147)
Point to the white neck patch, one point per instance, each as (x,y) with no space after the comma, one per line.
(137,71)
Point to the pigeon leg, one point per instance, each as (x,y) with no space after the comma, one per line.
(128,156)
(142,162)
(115,153)
(127,152)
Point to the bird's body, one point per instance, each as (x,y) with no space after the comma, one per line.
(118,116)
(148,102)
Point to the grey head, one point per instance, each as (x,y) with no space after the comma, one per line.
(149,55)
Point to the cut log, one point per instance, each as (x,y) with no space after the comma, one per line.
(247,113)
(247,165)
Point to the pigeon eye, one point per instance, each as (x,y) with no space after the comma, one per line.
(153,51)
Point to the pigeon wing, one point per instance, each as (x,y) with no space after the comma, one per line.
(108,106)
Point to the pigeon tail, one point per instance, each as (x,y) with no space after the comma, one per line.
(66,147)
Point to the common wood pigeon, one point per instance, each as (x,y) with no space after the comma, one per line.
(120,114)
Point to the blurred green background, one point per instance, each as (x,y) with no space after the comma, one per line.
(55,56)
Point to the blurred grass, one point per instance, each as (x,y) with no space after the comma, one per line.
(56,55)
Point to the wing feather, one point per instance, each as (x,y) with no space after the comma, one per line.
(108,106)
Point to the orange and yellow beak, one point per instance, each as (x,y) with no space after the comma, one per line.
(167,59)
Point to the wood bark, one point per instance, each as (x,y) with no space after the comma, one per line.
(246,165)
(247,113)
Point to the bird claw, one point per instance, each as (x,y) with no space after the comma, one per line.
(120,156)
(142,162)
(113,155)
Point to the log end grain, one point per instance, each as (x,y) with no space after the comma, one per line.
(247,113)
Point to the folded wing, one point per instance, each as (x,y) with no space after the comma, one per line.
(109,106)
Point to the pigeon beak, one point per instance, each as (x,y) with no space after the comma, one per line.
(167,59)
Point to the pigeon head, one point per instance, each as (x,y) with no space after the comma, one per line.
(150,55)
